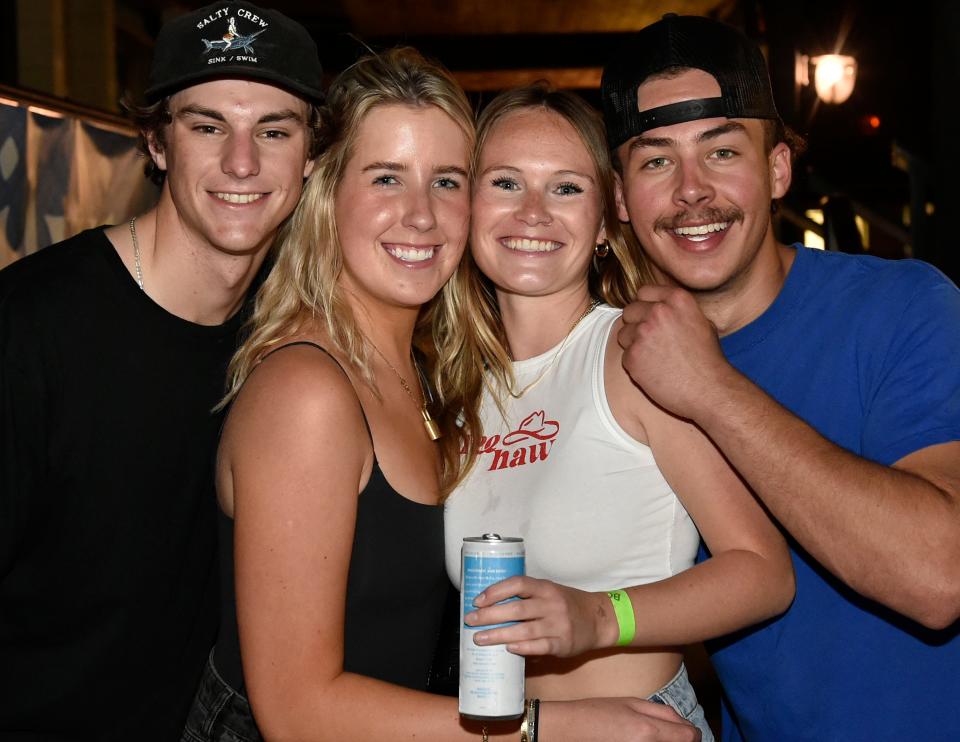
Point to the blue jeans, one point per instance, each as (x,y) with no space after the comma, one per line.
(222,714)
(679,695)
(219,713)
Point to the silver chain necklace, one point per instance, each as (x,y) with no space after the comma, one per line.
(136,252)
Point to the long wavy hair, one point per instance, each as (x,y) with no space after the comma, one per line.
(303,286)
(475,353)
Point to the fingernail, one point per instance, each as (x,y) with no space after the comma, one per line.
(470,617)
(480,638)
(479,598)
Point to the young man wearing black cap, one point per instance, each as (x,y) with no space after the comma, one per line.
(113,348)
(833,387)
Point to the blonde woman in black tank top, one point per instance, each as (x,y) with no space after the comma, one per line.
(331,478)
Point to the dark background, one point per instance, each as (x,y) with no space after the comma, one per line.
(897,174)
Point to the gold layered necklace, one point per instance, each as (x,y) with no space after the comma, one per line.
(519,395)
(429,424)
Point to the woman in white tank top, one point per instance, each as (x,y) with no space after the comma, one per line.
(609,492)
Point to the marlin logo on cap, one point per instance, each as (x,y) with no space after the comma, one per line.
(232,40)
(233,44)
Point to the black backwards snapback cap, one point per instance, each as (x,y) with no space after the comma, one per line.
(234,39)
(685,41)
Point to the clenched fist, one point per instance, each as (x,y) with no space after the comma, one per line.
(671,350)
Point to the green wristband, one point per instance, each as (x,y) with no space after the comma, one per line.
(623,609)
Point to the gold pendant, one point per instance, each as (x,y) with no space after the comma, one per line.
(433,430)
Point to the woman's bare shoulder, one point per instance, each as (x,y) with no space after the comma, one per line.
(297,390)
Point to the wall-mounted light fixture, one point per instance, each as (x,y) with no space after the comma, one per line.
(834,75)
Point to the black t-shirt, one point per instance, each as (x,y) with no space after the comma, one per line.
(108,566)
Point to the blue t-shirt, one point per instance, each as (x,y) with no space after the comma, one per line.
(867,351)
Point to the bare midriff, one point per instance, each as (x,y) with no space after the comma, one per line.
(614,672)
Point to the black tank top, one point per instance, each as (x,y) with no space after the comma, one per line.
(396,587)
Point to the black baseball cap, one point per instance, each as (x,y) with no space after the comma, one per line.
(685,41)
(235,39)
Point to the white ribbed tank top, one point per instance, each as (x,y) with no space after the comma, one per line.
(588,500)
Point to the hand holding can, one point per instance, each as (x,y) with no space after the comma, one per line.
(491,678)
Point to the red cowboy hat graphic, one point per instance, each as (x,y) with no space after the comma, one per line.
(533,426)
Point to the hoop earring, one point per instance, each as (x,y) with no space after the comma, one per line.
(602,249)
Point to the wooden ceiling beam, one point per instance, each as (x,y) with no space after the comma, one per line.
(574,78)
(379,18)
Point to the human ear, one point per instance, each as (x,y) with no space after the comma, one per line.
(781,170)
(156,151)
(622,214)
(602,234)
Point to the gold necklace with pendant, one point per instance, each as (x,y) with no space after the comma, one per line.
(429,424)
(519,395)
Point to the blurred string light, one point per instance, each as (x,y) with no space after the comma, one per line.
(816,240)
(811,238)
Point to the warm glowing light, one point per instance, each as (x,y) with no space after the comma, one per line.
(874,122)
(834,76)
(811,238)
(863,227)
(46,112)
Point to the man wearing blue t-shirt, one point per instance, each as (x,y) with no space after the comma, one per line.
(834,388)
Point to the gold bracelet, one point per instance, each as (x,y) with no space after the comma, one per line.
(528,725)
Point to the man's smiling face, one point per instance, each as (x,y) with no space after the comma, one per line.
(698,193)
(235,153)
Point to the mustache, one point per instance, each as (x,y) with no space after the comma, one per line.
(706,216)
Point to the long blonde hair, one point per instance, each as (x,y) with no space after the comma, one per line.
(303,285)
(469,332)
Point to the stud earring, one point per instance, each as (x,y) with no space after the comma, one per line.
(602,249)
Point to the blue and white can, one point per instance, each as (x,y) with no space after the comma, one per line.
(491,678)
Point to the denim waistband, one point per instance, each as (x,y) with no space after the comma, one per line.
(679,695)
(219,712)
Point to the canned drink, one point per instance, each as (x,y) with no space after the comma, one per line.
(491,678)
